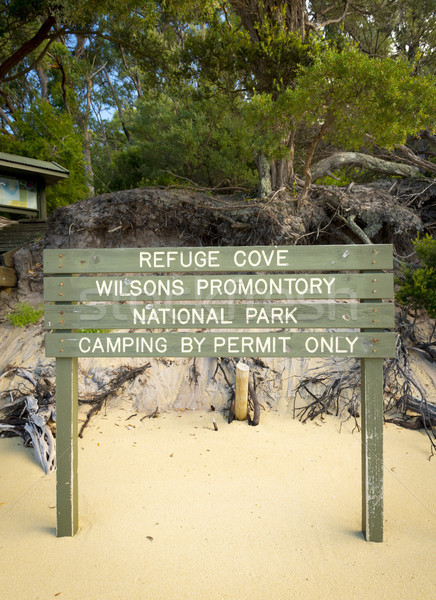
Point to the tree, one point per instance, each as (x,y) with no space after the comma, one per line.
(211,90)
(28,29)
(279,57)
(57,49)
(354,101)
(44,133)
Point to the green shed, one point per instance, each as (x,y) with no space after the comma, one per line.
(23,182)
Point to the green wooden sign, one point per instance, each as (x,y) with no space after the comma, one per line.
(216,259)
(343,344)
(220,287)
(238,307)
(220,316)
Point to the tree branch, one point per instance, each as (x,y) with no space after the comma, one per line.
(363,161)
(28,47)
(331,21)
(32,66)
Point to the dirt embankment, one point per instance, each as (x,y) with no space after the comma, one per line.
(383,212)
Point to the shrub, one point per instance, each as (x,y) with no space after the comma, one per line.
(25,314)
(417,283)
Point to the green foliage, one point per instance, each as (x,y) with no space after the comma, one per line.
(25,314)
(230,58)
(346,99)
(417,284)
(46,134)
(202,140)
(153,92)
(361,100)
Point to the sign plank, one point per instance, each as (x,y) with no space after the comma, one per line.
(219,259)
(219,287)
(344,344)
(217,316)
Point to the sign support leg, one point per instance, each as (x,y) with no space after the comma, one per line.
(372,448)
(67,512)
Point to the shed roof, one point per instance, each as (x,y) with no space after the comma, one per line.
(12,164)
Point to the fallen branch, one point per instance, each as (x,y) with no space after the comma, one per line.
(113,386)
(339,160)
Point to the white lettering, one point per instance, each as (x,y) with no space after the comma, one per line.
(327,344)
(135,288)
(315,282)
(97,346)
(351,342)
(82,348)
(257,258)
(145,257)
(329,284)
(128,342)
(281,258)
(311,344)
(236,258)
(186,345)
(337,343)
(301,286)
(290,315)
(250,313)
(113,346)
(104,287)
(161,345)
(218,343)
(284,340)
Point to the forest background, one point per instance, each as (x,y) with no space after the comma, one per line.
(244,96)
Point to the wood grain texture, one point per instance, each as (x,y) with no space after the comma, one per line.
(219,287)
(219,259)
(217,316)
(175,345)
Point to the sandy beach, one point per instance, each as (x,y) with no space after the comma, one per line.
(171,509)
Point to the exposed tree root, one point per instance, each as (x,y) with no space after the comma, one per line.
(227,367)
(337,391)
(113,386)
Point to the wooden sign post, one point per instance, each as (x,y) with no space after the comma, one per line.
(241,301)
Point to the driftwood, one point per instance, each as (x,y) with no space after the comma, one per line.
(30,413)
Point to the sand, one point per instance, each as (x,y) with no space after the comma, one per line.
(171,509)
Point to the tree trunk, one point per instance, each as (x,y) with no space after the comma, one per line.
(263,169)
(118,103)
(132,73)
(89,174)
(253,12)
(6,121)
(42,76)
(308,175)
(362,161)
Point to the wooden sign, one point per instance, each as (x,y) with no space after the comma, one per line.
(221,344)
(241,301)
(274,315)
(219,260)
(220,287)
